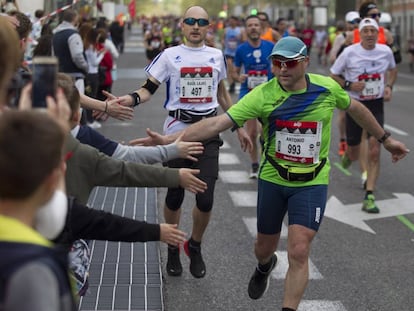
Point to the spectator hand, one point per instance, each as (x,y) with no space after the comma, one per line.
(153,139)
(58,109)
(116,109)
(171,235)
(125,100)
(186,150)
(189,181)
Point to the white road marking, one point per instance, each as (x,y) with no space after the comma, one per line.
(244,198)
(352,215)
(283,265)
(321,305)
(228,158)
(236,177)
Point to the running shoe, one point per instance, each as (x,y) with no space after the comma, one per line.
(197,265)
(259,282)
(342,147)
(174,267)
(369,205)
(345,161)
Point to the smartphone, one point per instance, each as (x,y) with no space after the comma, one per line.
(44,83)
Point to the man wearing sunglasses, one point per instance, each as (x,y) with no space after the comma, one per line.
(369,9)
(296,110)
(369,73)
(252,68)
(195,76)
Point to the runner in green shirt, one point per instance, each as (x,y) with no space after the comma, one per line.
(296,110)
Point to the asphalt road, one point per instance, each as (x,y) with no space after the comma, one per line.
(358,263)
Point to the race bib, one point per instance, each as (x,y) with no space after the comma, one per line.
(196,85)
(232,44)
(155,44)
(372,89)
(255,78)
(297,141)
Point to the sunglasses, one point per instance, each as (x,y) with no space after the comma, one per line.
(355,21)
(375,15)
(291,63)
(202,22)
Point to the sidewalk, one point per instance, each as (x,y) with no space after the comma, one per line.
(125,276)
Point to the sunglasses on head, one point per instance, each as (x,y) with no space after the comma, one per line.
(202,22)
(375,15)
(291,63)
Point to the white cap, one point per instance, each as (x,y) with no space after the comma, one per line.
(350,16)
(368,22)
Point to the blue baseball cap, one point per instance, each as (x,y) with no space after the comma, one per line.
(289,47)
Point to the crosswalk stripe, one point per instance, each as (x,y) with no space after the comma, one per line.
(244,198)
(236,177)
(283,264)
(321,305)
(225,145)
(228,158)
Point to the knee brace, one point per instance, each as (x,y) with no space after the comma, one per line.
(174,198)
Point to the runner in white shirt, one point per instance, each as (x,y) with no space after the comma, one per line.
(194,74)
(368,71)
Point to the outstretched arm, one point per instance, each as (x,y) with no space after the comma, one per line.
(110,106)
(365,119)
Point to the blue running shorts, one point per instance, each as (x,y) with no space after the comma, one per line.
(305,206)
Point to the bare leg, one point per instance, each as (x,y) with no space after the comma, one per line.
(373,163)
(265,246)
(299,240)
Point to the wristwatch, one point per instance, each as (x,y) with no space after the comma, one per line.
(347,85)
(384,137)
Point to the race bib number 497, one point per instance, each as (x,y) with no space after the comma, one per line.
(196,85)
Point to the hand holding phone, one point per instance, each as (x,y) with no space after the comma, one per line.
(44,80)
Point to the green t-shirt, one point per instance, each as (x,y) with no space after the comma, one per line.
(299,123)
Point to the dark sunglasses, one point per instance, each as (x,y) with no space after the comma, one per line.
(291,63)
(355,21)
(375,15)
(202,22)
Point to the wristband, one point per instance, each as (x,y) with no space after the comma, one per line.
(347,85)
(136,100)
(390,86)
(384,137)
(106,106)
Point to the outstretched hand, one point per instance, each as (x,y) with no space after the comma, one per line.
(153,139)
(170,234)
(245,141)
(189,181)
(186,150)
(397,149)
(116,109)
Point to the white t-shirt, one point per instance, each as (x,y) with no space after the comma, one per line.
(192,76)
(358,64)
